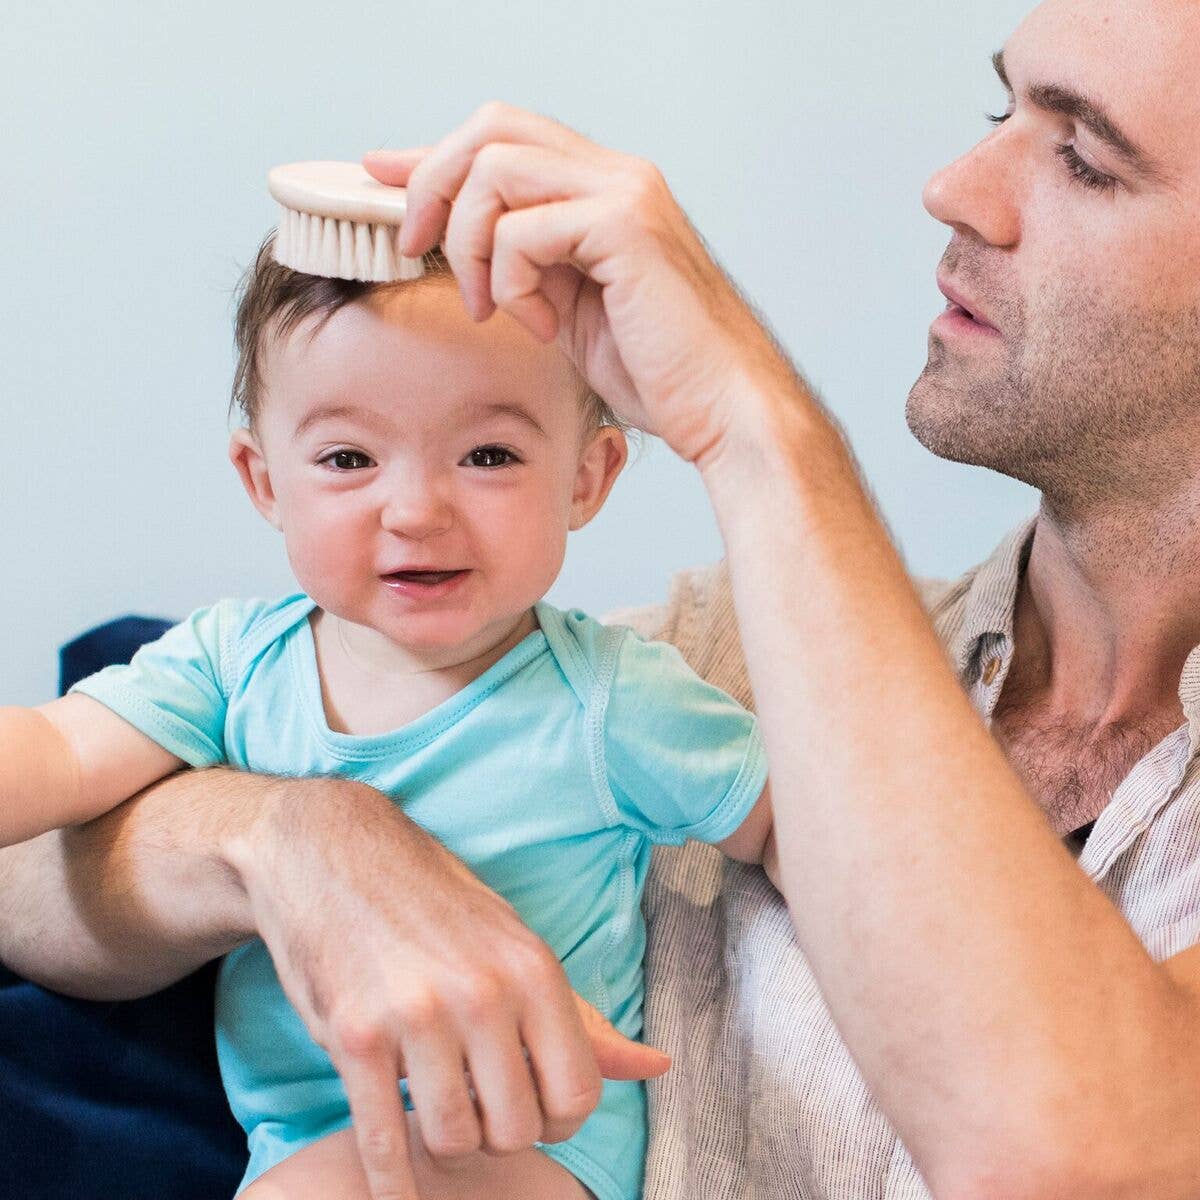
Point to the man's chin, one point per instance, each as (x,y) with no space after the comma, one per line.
(946,424)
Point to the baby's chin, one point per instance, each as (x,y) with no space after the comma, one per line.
(435,638)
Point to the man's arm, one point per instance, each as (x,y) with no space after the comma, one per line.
(1002,1011)
(1006,1016)
(391,978)
(136,899)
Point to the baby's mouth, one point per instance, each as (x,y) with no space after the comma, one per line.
(427,577)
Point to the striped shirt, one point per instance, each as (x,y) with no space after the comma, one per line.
(764,1101)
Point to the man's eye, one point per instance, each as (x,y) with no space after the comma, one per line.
(491,456)
(347,460)
(1084,171)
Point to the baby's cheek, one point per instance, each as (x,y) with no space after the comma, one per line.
(319,560)
(540,548)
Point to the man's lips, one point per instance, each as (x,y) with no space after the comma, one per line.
(963,304)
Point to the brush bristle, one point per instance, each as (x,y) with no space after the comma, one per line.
(342,249)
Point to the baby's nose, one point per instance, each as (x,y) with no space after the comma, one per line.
(416,510)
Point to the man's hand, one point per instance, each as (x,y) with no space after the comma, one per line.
(402,964)
(587,245)
(400,961)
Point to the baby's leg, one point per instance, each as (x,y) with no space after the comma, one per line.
(330,1168)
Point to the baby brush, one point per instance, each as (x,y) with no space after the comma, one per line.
(339,222)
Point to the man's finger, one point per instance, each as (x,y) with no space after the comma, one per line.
(527,242)
(504,1091)
(437,1086)
(504,177)
(617,1056)
(563,1067)
(435,181)
(393,167)
(380,1127)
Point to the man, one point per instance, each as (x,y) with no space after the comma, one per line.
(1020,1030)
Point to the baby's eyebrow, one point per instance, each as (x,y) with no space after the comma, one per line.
(498,409)
(336,412)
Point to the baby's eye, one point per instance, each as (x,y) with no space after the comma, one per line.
(347,460)
(490,456)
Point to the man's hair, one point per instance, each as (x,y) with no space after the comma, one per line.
(273,300)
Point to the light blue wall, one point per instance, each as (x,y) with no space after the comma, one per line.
(135,142)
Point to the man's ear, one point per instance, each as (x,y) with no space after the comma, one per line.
(599,465)
(247,457)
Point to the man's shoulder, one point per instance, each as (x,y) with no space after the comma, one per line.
(698,617)
(692,592)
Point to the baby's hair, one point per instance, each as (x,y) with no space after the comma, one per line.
(272,300)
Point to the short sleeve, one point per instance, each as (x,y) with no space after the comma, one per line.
(176,689)
(684,760)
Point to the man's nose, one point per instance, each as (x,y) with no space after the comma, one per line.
(979,194)
(415,506)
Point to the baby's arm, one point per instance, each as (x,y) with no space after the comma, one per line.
(754,840)
(331,1168)
(68,761)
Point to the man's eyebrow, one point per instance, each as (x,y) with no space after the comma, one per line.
(1053,97)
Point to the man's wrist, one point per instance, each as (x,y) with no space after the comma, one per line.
(779,447)
(284,818)
(301,830)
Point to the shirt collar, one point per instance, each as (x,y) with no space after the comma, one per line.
(987,625)
(991,601)
(1189,697)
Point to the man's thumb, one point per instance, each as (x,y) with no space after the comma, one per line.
(617,1056)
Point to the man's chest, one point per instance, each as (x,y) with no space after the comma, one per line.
(1072,768)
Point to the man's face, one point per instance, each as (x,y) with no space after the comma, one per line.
(1076,237)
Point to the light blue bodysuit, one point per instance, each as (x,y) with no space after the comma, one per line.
(551,775)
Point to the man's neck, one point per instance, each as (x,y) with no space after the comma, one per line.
(1109,608)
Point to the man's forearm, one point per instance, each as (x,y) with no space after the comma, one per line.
(136,899)
(979,979)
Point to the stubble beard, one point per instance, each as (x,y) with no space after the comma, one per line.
(1084,402)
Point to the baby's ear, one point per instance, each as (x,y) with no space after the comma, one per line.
(247,457)
(599,465)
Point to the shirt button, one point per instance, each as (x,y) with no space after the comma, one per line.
(989,671)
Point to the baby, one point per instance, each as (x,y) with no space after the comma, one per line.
(424,472)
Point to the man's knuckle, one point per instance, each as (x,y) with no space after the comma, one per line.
(539,967)
(576,1103)
(481,999)
(378,1143)
(356,1034)
(491,112)
(511,1137)
(420,1011)
(490,159)
(453,1138)
(645,179)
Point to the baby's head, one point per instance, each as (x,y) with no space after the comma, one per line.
(423,469)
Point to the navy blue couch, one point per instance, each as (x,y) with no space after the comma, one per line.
(120,1101)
